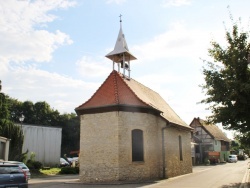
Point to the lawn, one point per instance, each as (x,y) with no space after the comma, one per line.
(44,172)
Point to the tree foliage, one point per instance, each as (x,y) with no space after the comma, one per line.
(227,82)
(9,130)
(39,114)
(13,132)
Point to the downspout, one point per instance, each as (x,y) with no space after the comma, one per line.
(164,166)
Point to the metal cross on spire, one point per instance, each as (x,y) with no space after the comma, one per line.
(120,18)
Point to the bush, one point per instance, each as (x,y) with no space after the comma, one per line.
(34,164)
(37,165)
(69,170)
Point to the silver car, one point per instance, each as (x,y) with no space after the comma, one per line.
(232,158)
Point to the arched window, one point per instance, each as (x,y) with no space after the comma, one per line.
(137,145)
(180,148)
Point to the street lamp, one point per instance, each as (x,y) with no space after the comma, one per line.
(21,118)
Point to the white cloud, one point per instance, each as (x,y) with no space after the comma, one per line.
(61,92)
(89,67)
(178,41)
(177,3)
(20,36)
(116,1)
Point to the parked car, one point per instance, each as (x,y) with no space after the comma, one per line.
(63,162)
(70,160)
(12,175)
(232,158)
(22,165)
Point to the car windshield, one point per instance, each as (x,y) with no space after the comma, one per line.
(10,170)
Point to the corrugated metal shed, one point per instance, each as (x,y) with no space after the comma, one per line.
(44,141)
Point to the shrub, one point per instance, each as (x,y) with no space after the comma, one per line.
(69,170)
(34,164)
(37,165)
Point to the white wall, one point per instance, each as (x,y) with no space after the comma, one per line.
(45,142)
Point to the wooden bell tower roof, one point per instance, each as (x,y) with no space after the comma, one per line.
(121,55)
(121,48)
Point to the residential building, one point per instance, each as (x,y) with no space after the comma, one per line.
(210,142)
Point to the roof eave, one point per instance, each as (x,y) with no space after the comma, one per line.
(116,107)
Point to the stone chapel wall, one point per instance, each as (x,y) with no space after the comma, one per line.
(106,148)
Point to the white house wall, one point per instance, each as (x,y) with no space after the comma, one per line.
(217,145)
(45,142)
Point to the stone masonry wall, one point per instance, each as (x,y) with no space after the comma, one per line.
(150,167)
(106,148)
(175,166)
(99,148)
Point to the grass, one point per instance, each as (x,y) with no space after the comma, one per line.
(51,171)
(44,172)
(47,171)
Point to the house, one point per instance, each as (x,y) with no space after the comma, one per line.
(4,148)
(128,131)
(44,141)
(210,142)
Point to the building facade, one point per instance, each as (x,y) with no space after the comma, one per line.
(210,141)
(128,131)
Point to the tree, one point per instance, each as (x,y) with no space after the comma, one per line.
(227,82)
(9,130)
(41,113)
(70,133)
(15,133)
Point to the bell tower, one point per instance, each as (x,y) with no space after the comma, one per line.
(121,55)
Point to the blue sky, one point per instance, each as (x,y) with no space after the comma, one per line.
(54,50)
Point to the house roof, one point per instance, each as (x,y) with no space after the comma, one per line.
(213,130)
(117,90)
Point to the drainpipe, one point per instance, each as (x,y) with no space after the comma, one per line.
(164,166)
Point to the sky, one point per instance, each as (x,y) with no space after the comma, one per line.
(54,50)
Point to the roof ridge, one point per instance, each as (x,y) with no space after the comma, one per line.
(122,78)
(116,87)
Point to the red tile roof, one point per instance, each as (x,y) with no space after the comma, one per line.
(117,90)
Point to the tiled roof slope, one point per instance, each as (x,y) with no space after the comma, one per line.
(113,91)
(118,90)
(154,100)
(214,131)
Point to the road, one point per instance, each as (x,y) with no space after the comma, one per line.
(229,175)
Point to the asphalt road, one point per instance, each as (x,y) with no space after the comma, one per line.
(229,175)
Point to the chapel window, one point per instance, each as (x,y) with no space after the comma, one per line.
(180,148)
(137,145)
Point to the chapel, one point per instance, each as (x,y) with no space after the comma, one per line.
(128,131)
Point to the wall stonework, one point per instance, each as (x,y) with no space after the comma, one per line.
(106,148)
(174,165)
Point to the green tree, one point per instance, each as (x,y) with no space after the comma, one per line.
(41,113)
(15,133)
(9,130)
(70,133)
(227,82)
